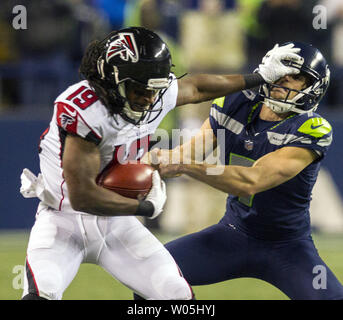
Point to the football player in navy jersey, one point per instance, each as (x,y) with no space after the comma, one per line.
(272,143)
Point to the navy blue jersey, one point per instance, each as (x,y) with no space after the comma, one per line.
(281,212)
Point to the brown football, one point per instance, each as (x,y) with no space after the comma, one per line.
(128,180)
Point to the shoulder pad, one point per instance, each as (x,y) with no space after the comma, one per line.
(316,127)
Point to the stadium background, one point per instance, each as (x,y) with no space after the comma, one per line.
(215,36)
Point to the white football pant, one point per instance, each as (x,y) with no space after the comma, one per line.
(59,242)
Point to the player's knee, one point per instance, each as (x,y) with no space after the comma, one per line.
(176,288)
(50,289)
(180,290)
(168,284)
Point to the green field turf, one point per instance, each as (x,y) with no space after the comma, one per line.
(93,283)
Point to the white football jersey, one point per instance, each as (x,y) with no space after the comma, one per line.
(78,111)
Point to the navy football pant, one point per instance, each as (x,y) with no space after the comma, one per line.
(220,253)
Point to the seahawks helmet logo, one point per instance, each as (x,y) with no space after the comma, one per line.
(124,46)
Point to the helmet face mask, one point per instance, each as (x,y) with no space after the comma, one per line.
(315,68)
(134,55)
(130,112)
(288,103)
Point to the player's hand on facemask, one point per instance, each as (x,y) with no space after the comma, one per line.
(157,194)
(272,67)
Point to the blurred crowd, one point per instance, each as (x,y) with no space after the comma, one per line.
(216,36)
(39,62)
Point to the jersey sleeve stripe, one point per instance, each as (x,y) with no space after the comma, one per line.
(226,121)
(71,121)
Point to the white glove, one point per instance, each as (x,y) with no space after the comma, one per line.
(157,195)
(32,186)
(271,69)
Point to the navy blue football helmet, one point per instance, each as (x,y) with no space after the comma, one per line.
(314,66)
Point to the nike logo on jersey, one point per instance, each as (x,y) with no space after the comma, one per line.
(315,127)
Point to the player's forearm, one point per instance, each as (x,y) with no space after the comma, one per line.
(214,86)
(186,152)
(198,147)
(235,180)
(100,201)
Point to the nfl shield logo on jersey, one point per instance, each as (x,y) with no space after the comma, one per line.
(248,144)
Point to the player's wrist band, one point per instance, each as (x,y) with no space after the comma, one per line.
(145,209)
(253,80)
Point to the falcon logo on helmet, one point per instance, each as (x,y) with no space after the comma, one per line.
(136,56)
(123,46)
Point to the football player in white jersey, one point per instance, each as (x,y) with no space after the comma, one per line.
(107,118)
